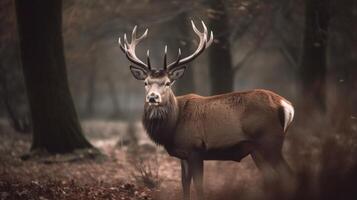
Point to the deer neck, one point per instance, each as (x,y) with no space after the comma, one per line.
(160,121)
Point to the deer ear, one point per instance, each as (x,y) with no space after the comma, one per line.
(138,73)
(177,73)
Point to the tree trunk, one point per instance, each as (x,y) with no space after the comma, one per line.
(56,127)
(92,79)
(313,63)
(342,109)
(342,71)
(186,84)
(221,72)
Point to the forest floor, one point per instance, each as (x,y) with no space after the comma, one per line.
(127,172)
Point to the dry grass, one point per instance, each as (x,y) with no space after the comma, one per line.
(323,160)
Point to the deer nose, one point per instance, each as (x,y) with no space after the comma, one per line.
(153,98)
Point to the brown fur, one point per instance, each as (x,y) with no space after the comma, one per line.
(196,123)
(162,123)
(222,127)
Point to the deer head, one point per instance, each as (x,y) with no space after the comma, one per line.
(158,81)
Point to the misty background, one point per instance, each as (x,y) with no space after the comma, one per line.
(304,50)
(98,72)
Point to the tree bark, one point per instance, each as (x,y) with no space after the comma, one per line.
(221,72)
(56,127)
(313,63)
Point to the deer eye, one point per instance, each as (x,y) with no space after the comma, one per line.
(167,83)
(145,83)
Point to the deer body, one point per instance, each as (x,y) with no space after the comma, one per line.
(222,127)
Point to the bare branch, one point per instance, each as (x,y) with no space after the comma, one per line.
(286,49)
(259,41)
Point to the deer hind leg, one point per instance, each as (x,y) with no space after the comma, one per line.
(278,177)
(186,176)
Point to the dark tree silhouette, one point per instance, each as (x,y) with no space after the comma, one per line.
(342,70)
(56,127)
(313,63)
(221,73)
(20,122)
(186,84)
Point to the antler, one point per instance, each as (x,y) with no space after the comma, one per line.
(129,49)
(202,45)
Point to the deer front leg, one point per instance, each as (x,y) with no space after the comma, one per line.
(186,177)
(196,166)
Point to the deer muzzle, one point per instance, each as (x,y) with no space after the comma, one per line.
(153,98)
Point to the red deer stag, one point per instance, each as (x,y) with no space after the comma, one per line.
(194,128)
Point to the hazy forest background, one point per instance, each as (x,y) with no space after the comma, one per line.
(70,110)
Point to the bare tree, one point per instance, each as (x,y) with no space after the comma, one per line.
(56,127)
(313,63)
(263,24)
(11,99)
(186,85)
(220,59)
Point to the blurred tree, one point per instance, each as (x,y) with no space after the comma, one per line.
(89,107)
(288,28)
(56,127)
(220,58)
(338,178)
(113,93)
(186,84)
(313,63)
(91,82)
(12,87)
(20,121)
(342,71)
(262,25)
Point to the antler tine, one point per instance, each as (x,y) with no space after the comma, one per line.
(204,31)
(165,58)
(194,28)
(126,39)
(148,59)
(133,34)
(121,45)
(202,45)
(209,42)
(178,56)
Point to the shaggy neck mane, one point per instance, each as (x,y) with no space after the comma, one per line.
(160,121)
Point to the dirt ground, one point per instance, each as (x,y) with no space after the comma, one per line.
(125,172)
